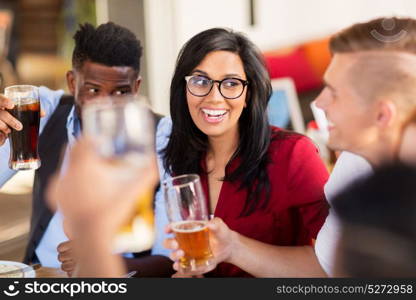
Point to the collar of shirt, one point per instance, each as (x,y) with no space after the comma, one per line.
(73,126)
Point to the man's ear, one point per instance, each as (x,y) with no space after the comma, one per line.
(137,85)
(387,113)
(70,81)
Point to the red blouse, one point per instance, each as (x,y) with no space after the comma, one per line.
(297,207)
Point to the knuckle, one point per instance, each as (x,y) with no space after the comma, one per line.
(67,267)
(3,126)
(8,119)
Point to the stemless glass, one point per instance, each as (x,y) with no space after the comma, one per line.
(188,215)
(24,143)
(123,129)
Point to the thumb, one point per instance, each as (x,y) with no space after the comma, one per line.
(67,229)
(215,224)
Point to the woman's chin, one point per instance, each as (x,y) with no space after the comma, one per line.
(213,132)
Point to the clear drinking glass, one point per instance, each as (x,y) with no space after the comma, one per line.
(123,129)
(188,214)
(24,143)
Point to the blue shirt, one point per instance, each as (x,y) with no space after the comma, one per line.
(164,129)
(54,235)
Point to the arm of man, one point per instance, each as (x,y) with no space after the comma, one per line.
(7,122)
(6,173)
(49,100)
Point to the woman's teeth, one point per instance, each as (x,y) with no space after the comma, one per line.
(214,113)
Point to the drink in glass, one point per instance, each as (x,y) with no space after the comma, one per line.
(123,129)
(24,143)
(188,215)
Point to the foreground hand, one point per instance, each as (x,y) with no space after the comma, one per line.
(90,194)
(221,240)
(95,202)
(66,257)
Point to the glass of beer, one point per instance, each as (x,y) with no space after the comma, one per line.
(24,143)
(188,215)
(123,129)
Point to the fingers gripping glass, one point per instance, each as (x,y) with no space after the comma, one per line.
(187,211)
(230,88)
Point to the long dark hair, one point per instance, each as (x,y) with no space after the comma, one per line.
(187,144)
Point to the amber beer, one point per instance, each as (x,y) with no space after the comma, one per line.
(193,239)
(144,204)
(137,233)
(187,211)
(24,143)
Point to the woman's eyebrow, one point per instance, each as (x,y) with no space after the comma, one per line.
(200,71)
(225,76)
(233,75)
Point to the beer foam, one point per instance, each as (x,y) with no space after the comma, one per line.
(26,104)
(189,226)
(25,101)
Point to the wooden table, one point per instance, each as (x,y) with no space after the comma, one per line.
(44,272)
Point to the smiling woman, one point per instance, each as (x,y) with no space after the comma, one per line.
(264,182)
(210,113)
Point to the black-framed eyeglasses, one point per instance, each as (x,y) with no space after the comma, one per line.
(230,88)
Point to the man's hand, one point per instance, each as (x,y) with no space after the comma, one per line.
(7,121)
(87,191)
(66,257)
(221,240)
(95,203)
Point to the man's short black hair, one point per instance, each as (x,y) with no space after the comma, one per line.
(108,44)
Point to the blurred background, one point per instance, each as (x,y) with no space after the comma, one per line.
(36,46)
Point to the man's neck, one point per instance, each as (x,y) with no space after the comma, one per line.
(380,154)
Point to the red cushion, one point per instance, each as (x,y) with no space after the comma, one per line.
(294,65)
(318,55)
